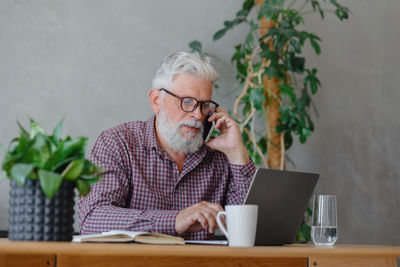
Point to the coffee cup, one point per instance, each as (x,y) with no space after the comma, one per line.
(241,223)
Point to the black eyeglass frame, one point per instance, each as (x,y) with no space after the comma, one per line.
(197,102)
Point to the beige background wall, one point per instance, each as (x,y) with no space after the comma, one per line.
(93,61)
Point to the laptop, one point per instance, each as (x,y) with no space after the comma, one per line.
(282,198)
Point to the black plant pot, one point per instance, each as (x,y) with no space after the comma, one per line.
(32,216)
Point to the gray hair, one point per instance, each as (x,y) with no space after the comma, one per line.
(183,62)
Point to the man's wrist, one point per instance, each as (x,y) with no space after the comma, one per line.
(238,156)
(165,221)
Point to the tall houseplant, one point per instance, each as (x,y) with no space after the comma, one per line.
(276,83)
(43,171)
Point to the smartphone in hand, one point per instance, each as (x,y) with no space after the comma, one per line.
(208,128)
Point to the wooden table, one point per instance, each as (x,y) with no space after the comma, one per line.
(74,254)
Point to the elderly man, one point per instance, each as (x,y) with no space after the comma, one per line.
(159,174)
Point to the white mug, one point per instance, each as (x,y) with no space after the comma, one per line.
(241,221)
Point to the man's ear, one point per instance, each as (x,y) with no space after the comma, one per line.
(155,100)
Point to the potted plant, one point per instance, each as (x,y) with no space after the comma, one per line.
(43,171)
(276,84)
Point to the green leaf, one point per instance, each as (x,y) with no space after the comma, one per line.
(196,46)
(253,26)
(272,71)
(241,13)
(288,90)
(230,24)
(263,11)
(249,39)
(35,128)
(295,64)
(310,123)
(316,46)
(9,161)
(61,165)
(302,138)
(73,170)
(83,187)
(288,139)
(305,131)
(218,35)
(90,180)
(90,170)
(247,5)
(280,128)
(57,131)
(316,7)
(14,140)
(20,171)
(294,46)
(304,234)
(55,158)
(23,131)
(39,151)
(269,8)
(285,115)
(66,152)
(313,86)
(312,81)
(23,144)
(257,97)
(342,13)
(68,149)
(49,182)
(99,170)
(39,142)
(313,41)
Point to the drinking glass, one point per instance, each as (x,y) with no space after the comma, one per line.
(324,220)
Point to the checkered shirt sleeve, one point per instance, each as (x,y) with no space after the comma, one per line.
(107,206)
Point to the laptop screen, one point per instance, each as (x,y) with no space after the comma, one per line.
(282,198)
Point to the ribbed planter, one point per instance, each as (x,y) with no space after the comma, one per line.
(32,216)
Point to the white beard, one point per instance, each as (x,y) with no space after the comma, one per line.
(173,137)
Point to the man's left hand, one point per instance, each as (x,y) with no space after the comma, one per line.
(230,141)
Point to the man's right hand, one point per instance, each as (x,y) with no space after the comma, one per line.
(200,216)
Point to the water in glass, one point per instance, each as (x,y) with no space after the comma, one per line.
(324,235)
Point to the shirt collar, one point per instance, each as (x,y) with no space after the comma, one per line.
(150,139)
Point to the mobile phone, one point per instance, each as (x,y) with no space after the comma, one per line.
(208,128)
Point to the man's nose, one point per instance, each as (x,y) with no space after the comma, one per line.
(197,113)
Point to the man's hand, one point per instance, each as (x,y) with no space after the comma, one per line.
(230,141)
(202,215)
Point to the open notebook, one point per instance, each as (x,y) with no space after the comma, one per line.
(116,236)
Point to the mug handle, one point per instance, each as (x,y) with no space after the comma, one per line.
(220,224)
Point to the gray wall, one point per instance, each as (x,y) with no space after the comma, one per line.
(93,61)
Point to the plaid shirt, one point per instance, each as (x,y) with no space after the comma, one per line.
(142,188)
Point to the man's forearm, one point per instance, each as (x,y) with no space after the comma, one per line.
(106,218)
(238,156)
(242,176)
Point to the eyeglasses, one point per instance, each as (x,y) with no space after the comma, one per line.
(189,104)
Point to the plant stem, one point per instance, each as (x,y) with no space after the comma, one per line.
(252,127)
(246,121)
(282,165)
(252,138)
(303,6)
(313,11)
(291,4)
